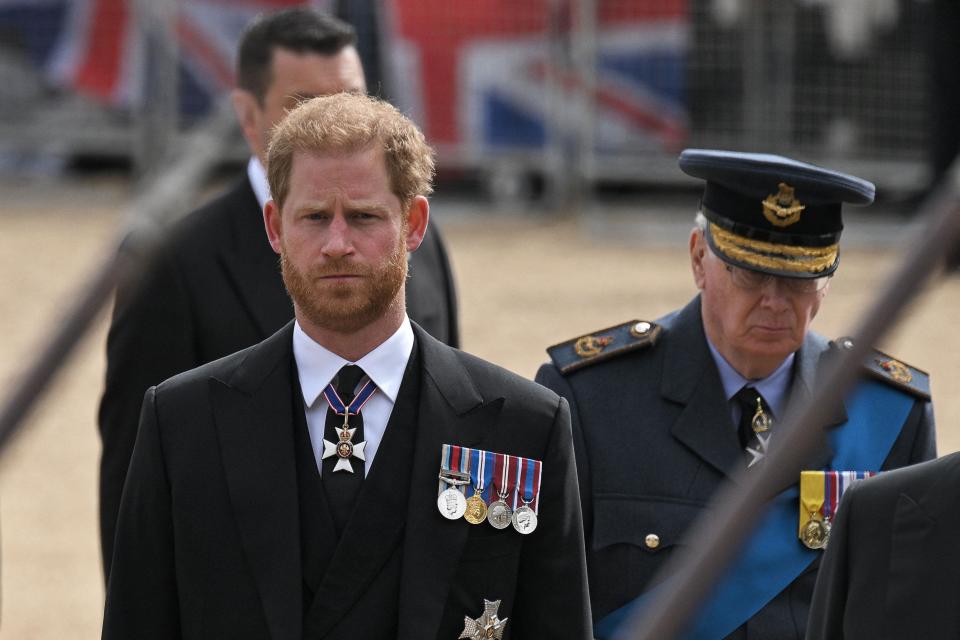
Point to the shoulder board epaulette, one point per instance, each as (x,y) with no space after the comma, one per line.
(604,344)
(885,367)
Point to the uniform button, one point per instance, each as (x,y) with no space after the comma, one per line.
(652,540)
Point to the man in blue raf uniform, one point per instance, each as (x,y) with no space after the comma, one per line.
(664,412)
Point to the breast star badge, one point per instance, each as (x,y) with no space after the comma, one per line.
(345,448)
(486,626)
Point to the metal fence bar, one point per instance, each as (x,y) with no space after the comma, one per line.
(149,216)
(736,509)
(157,111)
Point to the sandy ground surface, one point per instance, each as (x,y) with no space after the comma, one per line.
(525,282)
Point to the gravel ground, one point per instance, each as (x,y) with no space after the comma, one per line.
(526,281)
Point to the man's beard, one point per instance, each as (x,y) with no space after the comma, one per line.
(351,306)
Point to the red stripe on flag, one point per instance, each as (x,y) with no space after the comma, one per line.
(99,69)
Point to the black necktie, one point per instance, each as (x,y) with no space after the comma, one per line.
(755,421)
(342,487)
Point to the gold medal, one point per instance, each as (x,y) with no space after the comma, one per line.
(476,509)
(816,533)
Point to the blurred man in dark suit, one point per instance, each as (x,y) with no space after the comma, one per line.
(215,286)
(892,568)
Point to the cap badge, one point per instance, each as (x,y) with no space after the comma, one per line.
(782,209)
(589,346)
(896,370)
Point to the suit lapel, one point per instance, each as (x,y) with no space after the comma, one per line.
(253,415)
(376,526)
(252,267)
(812,358)
(452,411)
(690,378)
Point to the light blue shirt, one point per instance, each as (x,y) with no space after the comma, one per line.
(774,388)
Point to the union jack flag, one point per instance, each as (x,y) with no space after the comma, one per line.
(475,73)
(94,46)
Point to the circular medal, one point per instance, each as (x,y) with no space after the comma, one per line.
(452,504)
(815,534)
(524,520)
(499,515)
(476,509)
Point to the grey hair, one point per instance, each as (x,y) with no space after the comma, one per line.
(700,221)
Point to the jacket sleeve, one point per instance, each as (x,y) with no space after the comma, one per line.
(450,289)
(142,597)
(550,377)
(830,594)
(151,338)
(552,594)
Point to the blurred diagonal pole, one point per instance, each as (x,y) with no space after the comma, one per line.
(737,508)
(162,200)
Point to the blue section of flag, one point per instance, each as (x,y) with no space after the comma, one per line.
(507,124)
(34,27)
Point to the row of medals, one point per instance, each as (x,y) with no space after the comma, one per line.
(453,506)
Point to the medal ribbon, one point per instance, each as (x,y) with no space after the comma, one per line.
(504,477)
(812,494)
(481,471)
(454,458)
(516,498)
(834,484)
(530,481)
(355,405)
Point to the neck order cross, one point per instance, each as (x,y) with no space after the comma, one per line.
(345,448)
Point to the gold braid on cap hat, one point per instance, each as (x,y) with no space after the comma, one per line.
(768,255)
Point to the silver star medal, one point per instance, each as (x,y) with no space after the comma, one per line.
(486,626)
(758,454)
(345,448)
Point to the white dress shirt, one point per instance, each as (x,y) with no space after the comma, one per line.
(258,180)
(317,366)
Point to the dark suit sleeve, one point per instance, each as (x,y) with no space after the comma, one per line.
(453,311)
(830,594)
(151,338)
(550,377)
(552,595)
(142,591)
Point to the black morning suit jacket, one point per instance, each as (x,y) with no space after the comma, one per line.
(208,539)
(213,289)
(892,567)
(654,440)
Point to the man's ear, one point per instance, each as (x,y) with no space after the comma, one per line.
(273,223)
(247,108)
(418,216)
(698,253)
